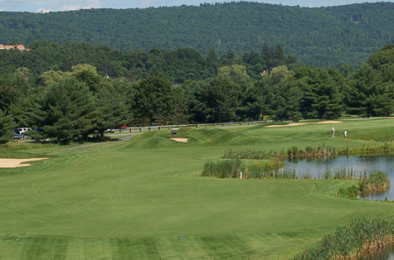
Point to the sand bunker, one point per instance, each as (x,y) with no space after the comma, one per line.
(330,122)
(181,140)
(291,124)
(13,163)
(294,124)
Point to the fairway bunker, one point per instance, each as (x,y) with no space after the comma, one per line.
(291,124)
(296,124)
(330,122)
(180,140)
(14,163)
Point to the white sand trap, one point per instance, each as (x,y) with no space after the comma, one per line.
(181,140)
(330,122)
(13,163)
(291,124)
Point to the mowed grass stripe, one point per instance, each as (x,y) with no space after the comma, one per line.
(226,247)
(181,247)
(44,248)
(11,249)
(132,248)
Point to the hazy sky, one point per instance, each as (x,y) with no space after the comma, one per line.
(64,5)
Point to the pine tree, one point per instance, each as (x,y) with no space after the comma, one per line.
(6,126)
(67,110)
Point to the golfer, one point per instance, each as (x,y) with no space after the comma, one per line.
(345,134)
(333,131)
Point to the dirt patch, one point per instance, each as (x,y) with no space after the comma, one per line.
(291,124)
(181,140)
(14,163)
(330,122)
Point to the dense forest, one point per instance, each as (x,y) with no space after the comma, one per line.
(180,65)
(58,90)
(321,37)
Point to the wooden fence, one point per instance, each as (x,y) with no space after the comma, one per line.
(168,127)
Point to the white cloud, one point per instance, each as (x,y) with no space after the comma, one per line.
(2,9)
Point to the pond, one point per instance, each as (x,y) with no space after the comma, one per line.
(357,165)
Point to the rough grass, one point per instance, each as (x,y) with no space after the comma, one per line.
(135,199)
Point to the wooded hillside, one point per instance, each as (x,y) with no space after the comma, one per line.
(318,36)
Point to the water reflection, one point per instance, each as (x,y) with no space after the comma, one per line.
(356,165)
(385,254)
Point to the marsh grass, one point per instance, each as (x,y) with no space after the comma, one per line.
(233,169)
(308,152)
(223,169)
(358,238)
(369,183)
(341,174)
(375,182)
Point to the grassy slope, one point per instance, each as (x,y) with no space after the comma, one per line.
(134,200)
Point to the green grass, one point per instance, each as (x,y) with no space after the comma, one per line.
(135,199)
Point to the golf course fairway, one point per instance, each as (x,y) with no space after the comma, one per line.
(144,199)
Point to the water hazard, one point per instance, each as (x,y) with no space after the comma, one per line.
(356,165)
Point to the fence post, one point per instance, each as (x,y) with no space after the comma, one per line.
(159,127)
(130,129)
(140,129)
(196,125)
(214,125)
(148,128)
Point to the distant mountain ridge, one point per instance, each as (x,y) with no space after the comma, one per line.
(323,36)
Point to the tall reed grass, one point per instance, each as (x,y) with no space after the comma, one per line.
(369,183)
(223,169)
(233,169)
(248,154)
(361,236)
(295,152)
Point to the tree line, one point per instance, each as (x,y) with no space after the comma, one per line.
(65,105)
(179,65)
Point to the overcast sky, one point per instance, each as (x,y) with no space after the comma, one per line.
(65,5)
